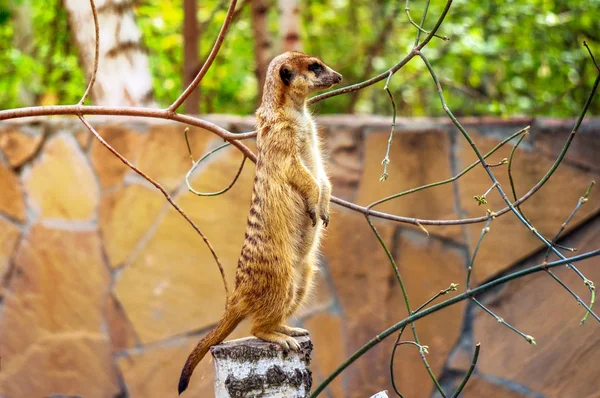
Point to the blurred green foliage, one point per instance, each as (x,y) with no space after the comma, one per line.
(503,58)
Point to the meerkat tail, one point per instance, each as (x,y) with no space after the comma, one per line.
(226,325)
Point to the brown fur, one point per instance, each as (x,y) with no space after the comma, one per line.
(291,189)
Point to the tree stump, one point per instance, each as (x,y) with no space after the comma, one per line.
(253,368)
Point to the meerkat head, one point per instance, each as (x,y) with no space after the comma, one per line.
(296,75)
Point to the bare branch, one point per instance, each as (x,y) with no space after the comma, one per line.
(234,139)
(164,192)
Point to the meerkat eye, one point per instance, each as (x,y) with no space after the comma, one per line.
(315,67)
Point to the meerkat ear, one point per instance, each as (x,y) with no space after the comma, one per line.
(286,73)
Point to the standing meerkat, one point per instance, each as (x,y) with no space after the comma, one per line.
(290,207)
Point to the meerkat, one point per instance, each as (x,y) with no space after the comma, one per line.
(290,207)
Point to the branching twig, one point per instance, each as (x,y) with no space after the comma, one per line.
(456,299)
(452,179)
(419,28)
(484,231)
(452,288)
(164,192)
(495,181)
(406,302)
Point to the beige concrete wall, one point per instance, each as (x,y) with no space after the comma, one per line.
(105,288)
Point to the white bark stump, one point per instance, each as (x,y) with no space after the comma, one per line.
(381,394)
(253,368)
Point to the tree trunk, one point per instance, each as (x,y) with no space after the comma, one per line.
(23,41)
(262,41)
(191,37)
(123,77)
(289,25)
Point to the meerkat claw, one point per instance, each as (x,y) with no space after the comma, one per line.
(325,219)
(294,345)
(313,216)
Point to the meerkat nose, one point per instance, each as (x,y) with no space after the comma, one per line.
(338,77)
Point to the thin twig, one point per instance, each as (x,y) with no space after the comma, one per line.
(451,301)
(406,302)
(419,27)
(591,55)
(386,159)
(211,57)
(592,289)
(500,163)
(164,192)
(189,173)
(588,283)
(187,142)
(96,54)
(484,231)
(452,288)
(582,200)
(469,372)
(501,320)
(510,177)
(452,179)
(393,378)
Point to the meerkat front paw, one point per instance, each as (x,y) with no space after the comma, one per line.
(312,213)
(325,217)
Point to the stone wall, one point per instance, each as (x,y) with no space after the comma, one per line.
(105,288)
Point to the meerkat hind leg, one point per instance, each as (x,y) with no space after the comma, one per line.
(286,342)
(291,331)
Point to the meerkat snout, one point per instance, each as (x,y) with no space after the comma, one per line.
(337,77)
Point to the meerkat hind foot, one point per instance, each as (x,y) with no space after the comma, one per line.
(287,343)
(291,331)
